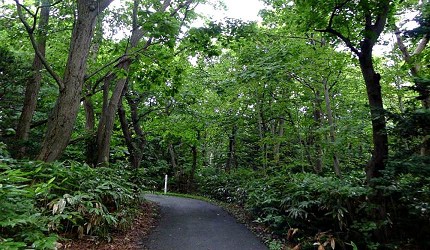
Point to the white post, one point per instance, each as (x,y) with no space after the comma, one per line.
(165,184)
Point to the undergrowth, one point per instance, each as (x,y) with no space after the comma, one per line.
(42,202)
(312,211)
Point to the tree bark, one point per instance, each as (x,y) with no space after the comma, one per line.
(62,118)
(379,132)
(33,84)
(90,149)
(136,146)
(134,160)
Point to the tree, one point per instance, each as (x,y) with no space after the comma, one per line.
(62,118)
(358,25)
(34,82)
(161,26)
(414,63)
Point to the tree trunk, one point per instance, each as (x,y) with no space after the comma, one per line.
(374,95)
(62,119)
(330,120)
(194,153)
(277,147)
(107,120)
(136,146)
(91,148)
(134,160)
(231,155)
(371,33)
(33,84)
(90,122)
(262,126)
(140,136)
(318,164)
(173,161)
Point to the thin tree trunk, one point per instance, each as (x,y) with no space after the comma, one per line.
(194,153)
(276,150)
(134,160)
(89,128)
(90,122)
(107,121)
(330,120)
(33,84)
(262,125)
(316,137)
(62,119)
(173,161)
(231,155)
(137,146)
(140,136)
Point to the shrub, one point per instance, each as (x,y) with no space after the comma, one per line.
(223,186)
(22,223)
(40,199)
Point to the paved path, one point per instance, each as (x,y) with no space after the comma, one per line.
(188,224)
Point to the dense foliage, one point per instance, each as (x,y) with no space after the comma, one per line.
(315,120)
(42,201)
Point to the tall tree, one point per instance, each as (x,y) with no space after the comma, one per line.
(415,64)
(34,82)
(163,18)
(63,116)
(358,24)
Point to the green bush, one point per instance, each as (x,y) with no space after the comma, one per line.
(22,223)
(305,200)
(223,186)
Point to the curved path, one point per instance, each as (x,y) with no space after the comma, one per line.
(188,224)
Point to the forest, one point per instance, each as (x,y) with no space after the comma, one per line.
(315,121)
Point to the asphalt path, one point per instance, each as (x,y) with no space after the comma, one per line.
(188,224)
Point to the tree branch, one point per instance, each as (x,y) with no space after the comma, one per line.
(346,40)
(401,44)
(103,4)
(381,20)
(406,55)
(35,47)
(336,11)
(421,46)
